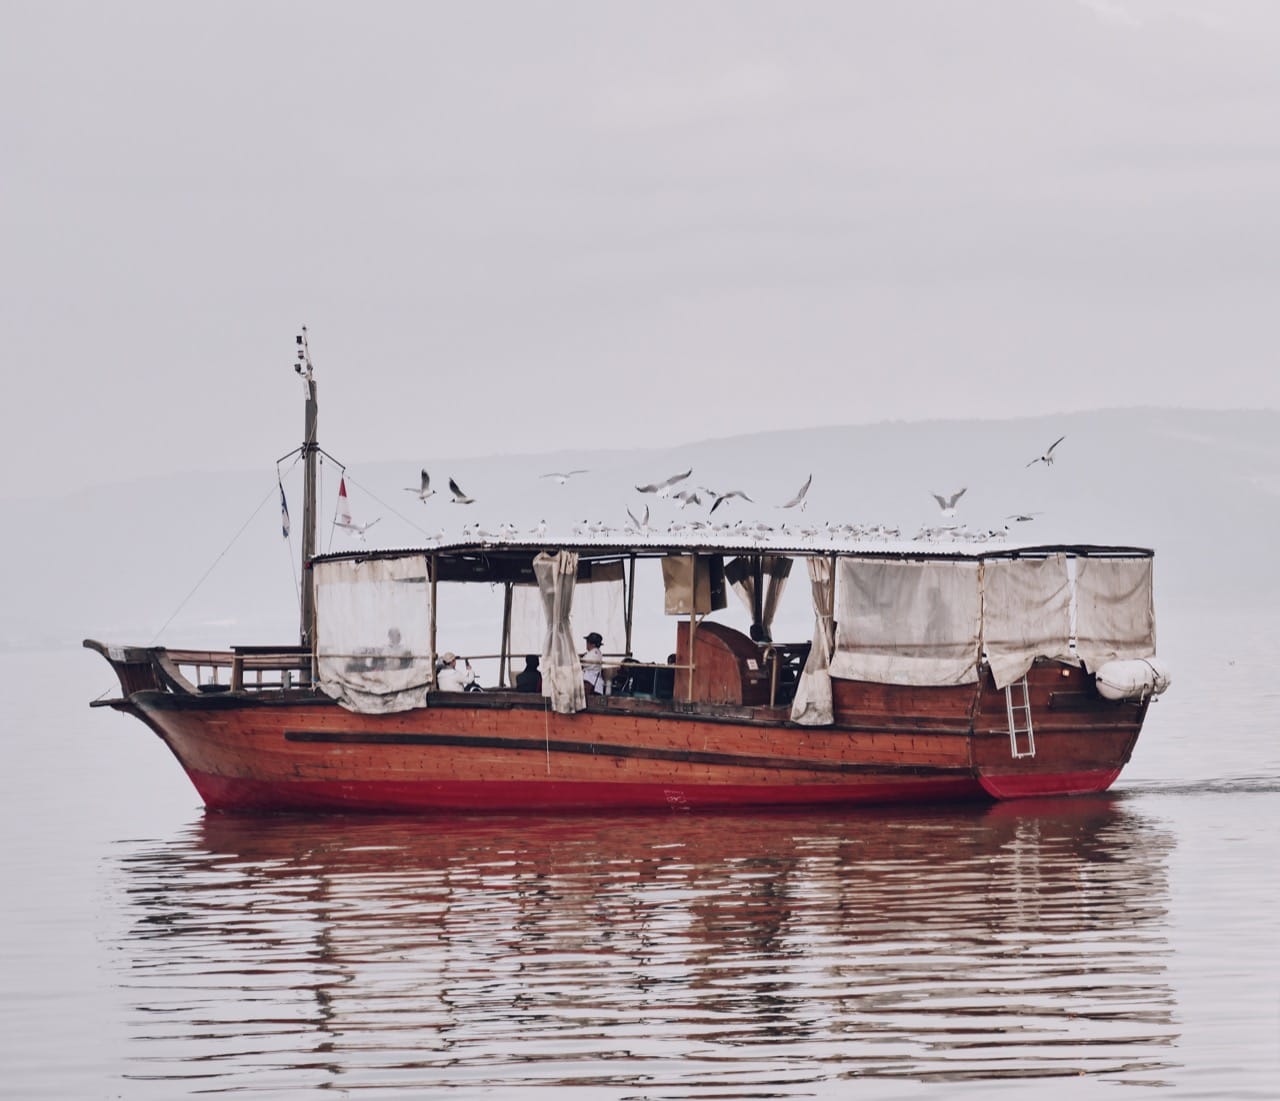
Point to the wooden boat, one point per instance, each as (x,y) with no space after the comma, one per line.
(935,673)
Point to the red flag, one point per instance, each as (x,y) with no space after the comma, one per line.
(344,509)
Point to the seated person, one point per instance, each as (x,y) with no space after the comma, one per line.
(633,679)
(664,680)
(529,679)
(449,678)
(593,665)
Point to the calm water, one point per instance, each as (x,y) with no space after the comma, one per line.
(1072,947)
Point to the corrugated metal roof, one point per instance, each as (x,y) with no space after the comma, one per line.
(766,543)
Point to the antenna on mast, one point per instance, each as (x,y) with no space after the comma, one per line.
(303,364)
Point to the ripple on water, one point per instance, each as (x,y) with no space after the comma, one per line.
(762,955)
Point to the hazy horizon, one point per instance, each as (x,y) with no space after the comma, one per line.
(622,225)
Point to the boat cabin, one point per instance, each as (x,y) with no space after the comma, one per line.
(882,613)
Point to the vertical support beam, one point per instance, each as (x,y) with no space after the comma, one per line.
(310,452)
(631,601)
(759,634)
(504,651)
(693,622)
(435,570)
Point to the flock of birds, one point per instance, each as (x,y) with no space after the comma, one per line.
(676,489)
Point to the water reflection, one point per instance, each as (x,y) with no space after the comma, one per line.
(651,956)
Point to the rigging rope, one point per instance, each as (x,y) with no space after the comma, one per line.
(270,494)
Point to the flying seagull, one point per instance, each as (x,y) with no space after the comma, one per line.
(687,497)
(1021,517)
(640,525)
(1047,457)
(948,504)
(720,498)
(663,489)
(563,476)
(357,530)
(459,498)
(798,499)
(423,491)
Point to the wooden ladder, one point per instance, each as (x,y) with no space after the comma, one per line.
(1017,699)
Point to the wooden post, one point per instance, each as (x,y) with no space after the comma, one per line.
(504,651)
(693,621)
(435,569)
(631,601)
(310,453)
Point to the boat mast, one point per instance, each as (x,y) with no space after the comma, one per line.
(310,452)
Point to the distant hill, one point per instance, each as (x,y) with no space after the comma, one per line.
(204,553)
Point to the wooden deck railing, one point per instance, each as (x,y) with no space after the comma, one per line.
(240,669)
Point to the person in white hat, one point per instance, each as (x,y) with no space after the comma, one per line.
(449,678)
(593,664)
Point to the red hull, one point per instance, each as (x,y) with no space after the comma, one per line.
(1031,785)
(299,751)
(221,793)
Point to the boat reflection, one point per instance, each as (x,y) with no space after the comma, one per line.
(761,954)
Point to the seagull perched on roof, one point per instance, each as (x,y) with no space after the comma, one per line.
(563,476)
(459,498)
(720,498)
(798,499)
(1047,457)
(663,489)
(948,504)
(424,490)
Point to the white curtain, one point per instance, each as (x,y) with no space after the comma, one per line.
(561,669)
(741,575)
(1026,614)
(373,632)
(598,605)
(1115,616)
(813,705)
(911,623)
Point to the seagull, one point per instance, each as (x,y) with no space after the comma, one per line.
(798,499)
(357,530)
(720,498)
(563,476)
(459,498)
(1022,517)
(638,524)
(540,530)
(423,491)
(687,497)
(663,489)
(1047,457)
(948,504)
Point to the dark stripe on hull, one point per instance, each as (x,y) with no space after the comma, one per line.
(597,749)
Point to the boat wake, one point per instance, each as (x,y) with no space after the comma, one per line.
(1227,785)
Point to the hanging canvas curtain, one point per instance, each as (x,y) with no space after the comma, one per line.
(373,636)
(908,623)
(812,705)
(1026,614)
(598,605)
(561,669)
(741,575)
(1115,615)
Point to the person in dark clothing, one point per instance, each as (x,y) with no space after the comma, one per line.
(529,679)
(664,680)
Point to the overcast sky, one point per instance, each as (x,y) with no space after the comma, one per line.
(531,225)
